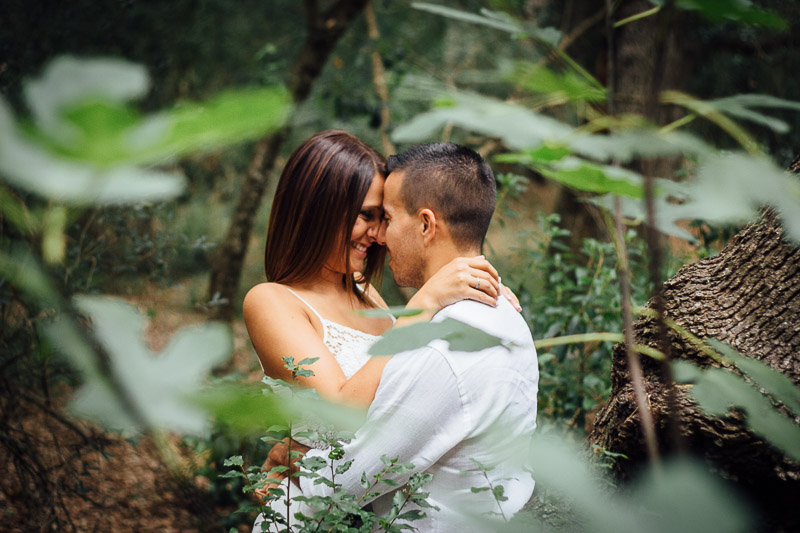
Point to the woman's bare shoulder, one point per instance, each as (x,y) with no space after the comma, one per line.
(269,296)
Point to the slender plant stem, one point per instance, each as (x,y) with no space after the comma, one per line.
(634,365)
(623,269)
(654,238)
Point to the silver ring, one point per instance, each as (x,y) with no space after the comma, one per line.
(478,284)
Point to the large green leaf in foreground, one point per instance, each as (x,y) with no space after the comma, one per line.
(87,144)
(154,390)
(460,336)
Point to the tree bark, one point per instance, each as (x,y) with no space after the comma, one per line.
(324,29)
(749,297)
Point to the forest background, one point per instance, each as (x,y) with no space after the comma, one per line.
(382,71)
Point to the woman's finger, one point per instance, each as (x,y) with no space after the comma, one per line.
(483,286)
(511,297)
(481,263)
(485,282)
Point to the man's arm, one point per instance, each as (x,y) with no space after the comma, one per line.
(279,456)
(416,416)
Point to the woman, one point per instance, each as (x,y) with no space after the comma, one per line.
(321,257)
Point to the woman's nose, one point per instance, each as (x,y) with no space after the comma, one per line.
(374,230)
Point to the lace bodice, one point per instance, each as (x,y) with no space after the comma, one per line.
(348,345)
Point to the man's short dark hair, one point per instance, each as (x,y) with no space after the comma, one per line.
(454,181)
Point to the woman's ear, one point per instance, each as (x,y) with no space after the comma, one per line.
(427,221)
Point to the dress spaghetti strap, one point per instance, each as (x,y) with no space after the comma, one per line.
(308,305)
(376,304)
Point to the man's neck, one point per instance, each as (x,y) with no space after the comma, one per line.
(444,255)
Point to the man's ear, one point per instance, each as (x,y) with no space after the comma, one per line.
(427,222)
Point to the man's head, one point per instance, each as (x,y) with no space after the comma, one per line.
(439,199)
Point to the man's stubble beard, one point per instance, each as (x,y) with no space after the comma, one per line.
(407,272)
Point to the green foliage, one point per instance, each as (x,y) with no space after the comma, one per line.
(564,294)
(496,20)
(86,144)
(570,153)
(340,511)
(679,496)
(155,389)
(735,10)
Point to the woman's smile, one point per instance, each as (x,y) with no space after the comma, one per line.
(360,248)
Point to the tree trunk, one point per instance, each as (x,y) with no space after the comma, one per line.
(324,29)
(748,297)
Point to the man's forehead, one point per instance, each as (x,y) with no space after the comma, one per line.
(391,190)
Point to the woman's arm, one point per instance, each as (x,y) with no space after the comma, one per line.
(279,326)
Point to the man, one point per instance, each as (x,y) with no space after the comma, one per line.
(453,414)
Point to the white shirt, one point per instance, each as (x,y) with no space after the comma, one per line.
(439,410)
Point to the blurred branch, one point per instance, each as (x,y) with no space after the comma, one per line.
(379,79)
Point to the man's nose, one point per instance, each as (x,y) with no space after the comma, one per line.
(380,235)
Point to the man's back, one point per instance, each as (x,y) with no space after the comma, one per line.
(448,413)
(480,409)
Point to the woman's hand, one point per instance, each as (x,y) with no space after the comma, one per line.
(510,296)
(463,278)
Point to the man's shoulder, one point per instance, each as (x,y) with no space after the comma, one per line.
(502,321)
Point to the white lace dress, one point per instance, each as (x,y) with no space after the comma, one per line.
(349,347)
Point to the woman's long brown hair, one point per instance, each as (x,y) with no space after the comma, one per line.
(316,204)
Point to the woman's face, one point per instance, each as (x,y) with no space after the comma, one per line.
(365,230)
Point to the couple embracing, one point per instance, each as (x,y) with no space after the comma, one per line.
(338,208)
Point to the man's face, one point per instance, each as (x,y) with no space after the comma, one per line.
(401,235)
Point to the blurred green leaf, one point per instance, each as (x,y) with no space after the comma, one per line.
(229,117)
(397,311)
(460,337)
(243,410)
(727,189)
(557,465)
(496,20)
(741,105)
(732,188)
(157,386)
(640,142)
(569,86)
(736,10)
(590,177)
(69,82)
(87,141)
(680,496)
(546,153)
(15,212)
(22,269)
(685,497)
(247,410)
(53,237)
(33,168)
(776,384)
(63,334)
(518,127)
(718,391)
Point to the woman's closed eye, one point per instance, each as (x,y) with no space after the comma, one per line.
(371,215)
